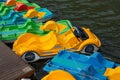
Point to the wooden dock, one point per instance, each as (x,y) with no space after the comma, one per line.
(12,67)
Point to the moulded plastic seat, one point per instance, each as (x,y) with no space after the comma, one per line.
(25,7)
(33,13)
(10,2)
(59,75)
(48,15)
(113,73)
(13,2)
(59,26)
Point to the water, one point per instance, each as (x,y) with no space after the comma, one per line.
(101,16)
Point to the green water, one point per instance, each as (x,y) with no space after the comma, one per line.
(101,16)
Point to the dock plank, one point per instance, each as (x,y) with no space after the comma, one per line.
(12,67)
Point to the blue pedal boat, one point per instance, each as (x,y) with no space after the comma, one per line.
(82,67)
